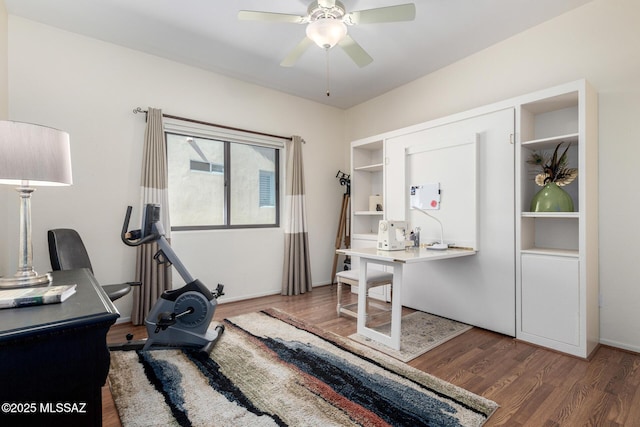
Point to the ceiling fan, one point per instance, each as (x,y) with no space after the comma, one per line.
(327,22)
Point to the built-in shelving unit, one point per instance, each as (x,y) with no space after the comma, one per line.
(552,270)
(367,179)
(557,252)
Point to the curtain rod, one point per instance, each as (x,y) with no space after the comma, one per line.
(168,116)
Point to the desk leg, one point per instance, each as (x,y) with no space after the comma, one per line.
(392,340)
(396,305)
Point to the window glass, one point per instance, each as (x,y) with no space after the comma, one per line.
(249,165)
(221,184)
(196,181)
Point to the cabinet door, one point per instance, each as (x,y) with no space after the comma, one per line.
(551,297)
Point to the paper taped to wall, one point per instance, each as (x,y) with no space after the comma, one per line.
(425,196)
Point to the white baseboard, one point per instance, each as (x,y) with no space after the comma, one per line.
(620,345)
(123,319)
(222,300)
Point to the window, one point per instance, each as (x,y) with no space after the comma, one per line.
(217,182)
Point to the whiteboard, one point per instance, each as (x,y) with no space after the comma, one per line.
(451,167)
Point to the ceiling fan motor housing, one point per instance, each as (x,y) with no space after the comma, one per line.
(315,11)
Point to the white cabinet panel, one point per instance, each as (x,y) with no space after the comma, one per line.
(550,297)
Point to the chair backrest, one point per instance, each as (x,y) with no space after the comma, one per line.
(66,250)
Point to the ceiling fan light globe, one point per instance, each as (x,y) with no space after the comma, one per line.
(326,32)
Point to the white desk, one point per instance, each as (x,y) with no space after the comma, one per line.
(397,260)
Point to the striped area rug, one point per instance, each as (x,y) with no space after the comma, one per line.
(270,369)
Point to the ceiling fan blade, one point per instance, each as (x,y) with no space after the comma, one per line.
(252,15)
(327,3)
(355,51)
(401,12)
(297,51)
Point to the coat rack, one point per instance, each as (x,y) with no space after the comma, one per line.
(343,223)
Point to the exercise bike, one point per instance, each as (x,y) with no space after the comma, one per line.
(181,317)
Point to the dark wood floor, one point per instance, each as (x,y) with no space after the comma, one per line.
(533,386)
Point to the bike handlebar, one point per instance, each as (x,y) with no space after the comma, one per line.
(134,238)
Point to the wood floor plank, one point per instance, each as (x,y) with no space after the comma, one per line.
(533,386)
(632,414)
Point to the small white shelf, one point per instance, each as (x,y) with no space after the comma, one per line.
(551,215)
(365,236)
(551,142)
(552,252)
(370,213)
(377,167)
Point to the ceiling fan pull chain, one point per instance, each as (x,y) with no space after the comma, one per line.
(327,58)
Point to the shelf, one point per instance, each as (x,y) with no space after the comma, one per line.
(550,143)
(551,215)
(555,103)
(369,146)
(364,236)
(369,168)
(552,252)
(370,213)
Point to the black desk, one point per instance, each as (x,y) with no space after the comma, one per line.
(54,358)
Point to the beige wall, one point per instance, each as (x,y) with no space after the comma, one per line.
(599,42)
(4,107)
(4,61)
(89,88)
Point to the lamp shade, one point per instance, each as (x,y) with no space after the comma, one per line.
(38,154)
(326,32)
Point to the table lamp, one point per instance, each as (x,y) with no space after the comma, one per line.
(441,246)
(31,155)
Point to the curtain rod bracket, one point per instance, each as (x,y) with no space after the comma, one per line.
(140,110)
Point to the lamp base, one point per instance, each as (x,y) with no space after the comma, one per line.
(25,280)
(438,247)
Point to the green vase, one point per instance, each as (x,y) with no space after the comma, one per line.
(551,198)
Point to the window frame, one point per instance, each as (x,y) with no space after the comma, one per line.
(228,137)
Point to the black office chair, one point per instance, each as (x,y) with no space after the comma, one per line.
(67,252)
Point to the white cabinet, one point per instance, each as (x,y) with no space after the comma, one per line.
(550,302)
(557,252)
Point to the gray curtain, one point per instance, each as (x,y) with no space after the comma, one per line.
(296,277)
(155,278)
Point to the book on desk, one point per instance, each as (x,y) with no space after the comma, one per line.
(11,298)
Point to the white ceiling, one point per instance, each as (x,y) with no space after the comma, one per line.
(207,34)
